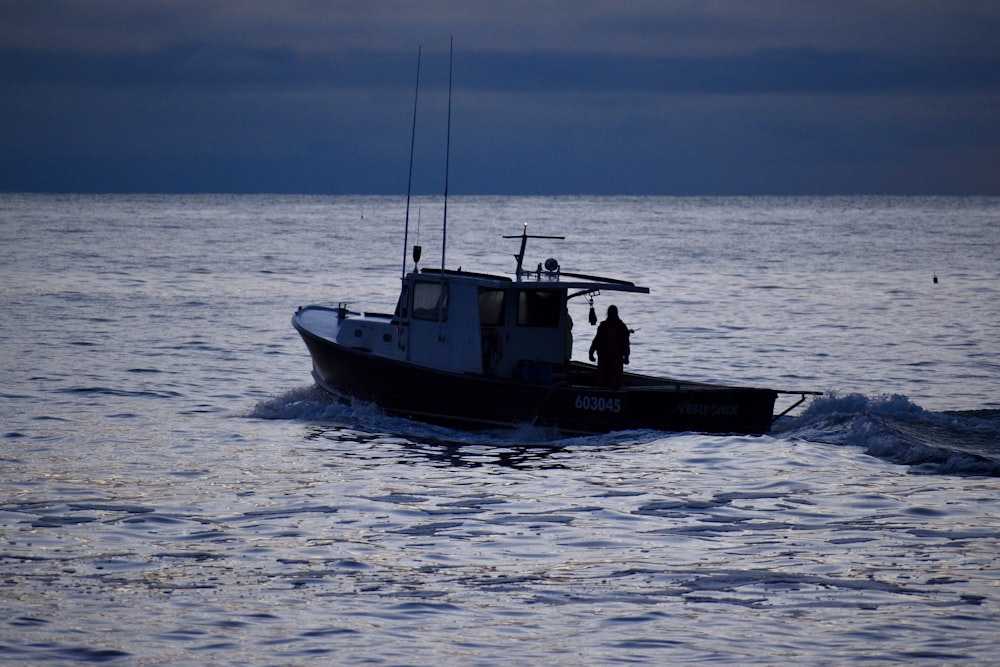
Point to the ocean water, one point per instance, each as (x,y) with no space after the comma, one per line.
(174,490)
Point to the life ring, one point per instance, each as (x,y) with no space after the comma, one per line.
(492,349)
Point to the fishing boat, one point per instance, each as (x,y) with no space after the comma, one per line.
(478,350)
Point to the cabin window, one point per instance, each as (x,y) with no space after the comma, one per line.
(430,301)
(491,307)
(538,308)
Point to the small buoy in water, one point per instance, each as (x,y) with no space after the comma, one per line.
(935,279)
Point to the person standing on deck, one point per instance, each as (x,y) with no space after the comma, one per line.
(611,345)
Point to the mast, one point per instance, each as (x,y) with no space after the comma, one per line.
(524,236)
(409,181)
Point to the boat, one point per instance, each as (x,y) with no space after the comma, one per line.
(477,350)
(480,351)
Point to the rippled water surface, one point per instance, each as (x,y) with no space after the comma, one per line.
(174,490)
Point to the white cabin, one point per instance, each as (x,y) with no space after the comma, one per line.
(469,323)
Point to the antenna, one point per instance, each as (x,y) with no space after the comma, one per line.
(447,160)
(409,181)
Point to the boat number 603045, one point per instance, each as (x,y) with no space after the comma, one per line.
(598,403)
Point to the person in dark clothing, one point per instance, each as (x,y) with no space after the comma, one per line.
(611,345)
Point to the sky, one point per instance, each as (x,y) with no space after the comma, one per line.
(607,97)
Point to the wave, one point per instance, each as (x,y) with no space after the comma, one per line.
(307,404)
(108,391)
(895,429)
(890,427)
(313,404)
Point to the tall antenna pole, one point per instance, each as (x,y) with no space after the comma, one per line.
(447,159)
(409,181)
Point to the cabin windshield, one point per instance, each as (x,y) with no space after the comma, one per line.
(538,308)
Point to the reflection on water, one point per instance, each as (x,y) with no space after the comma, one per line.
(440,452)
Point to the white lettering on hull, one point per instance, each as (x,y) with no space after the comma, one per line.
(702,410)
(598,404)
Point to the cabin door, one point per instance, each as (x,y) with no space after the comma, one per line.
(492,315)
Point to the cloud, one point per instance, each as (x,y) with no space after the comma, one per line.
(651,28)
(681,97)
(779,71)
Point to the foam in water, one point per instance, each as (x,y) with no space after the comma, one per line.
(313,404)
(893,428)
(889,427)
(305,403)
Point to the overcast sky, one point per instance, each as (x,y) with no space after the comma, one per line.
(673,97)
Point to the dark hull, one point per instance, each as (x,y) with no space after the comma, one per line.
(569,405)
